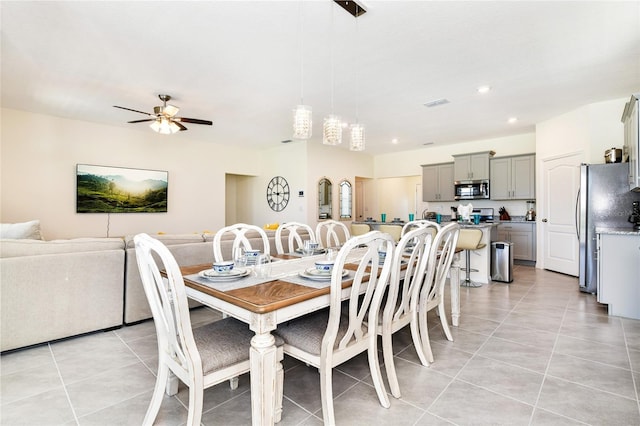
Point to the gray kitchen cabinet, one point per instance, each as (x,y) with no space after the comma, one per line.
(472,166)
(513,178)
(523,237)
(618,272)
(631,148)
(437,182)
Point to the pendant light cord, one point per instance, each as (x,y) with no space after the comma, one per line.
(301,38)
(356,68)
(331,40)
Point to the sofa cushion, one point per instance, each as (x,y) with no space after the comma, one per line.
(25,230)
(17,248)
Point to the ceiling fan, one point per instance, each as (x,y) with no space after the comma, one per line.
(164,117)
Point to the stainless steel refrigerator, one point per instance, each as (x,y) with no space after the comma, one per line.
(604,201)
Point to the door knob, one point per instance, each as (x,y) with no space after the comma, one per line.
(544,220)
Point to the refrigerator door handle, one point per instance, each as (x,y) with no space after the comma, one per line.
(577,215)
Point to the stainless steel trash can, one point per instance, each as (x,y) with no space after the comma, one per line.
(502,261)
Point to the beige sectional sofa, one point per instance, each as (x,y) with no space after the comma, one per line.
(51,290)
(55,289)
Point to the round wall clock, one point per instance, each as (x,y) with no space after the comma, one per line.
(278,193)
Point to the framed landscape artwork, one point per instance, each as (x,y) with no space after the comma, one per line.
(105,189)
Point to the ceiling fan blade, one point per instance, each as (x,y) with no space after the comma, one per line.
(134,110)
(142,121)
(193,120)
(182,128)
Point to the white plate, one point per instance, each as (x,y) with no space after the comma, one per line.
(314,274)
(234,274)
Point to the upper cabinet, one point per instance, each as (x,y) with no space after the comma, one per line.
(631,120)
(513,178)
(437,182)
(472,166)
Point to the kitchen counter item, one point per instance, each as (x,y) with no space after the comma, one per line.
(531,213)
(613,155)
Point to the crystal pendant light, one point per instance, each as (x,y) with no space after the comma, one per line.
(332,128)
(357,137)
(357,129)
(302,117)
(302,122)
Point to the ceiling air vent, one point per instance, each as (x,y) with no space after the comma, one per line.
(437,102)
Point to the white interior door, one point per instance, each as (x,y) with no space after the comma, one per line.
(561,182)
(359,200)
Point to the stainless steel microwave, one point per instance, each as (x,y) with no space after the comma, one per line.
(471,189)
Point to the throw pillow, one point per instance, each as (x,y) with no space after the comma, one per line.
(21,231)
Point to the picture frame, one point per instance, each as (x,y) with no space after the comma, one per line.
(109,189)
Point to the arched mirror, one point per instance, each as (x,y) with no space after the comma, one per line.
(346,194)
(324,199)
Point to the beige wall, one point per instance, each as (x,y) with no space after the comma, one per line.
(39,157)
(39,154)
(589,131)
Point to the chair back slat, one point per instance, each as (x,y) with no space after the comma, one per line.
(327,233)
(168,301)
(239,230)
(295,238)
(365,293)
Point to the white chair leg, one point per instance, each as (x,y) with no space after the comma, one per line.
(444,322)
(233,383)
(424,337)
(389,364)
(196,397)
(156,398)
(326,395)
(417,340)
(376,375)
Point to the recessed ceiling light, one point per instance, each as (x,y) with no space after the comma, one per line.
(512,120)
(437,102)
(484,89)
(395,141)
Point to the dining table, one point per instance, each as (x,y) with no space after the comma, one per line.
(288,289)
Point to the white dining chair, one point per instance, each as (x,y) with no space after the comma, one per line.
(294,236)
(432,291)
(200,357)
(408,267)
(326,339)
(331,233)
(420,223)
(239,231)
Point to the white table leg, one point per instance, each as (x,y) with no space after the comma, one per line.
(264,370)
(454,282)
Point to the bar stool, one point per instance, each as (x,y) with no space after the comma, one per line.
(468,240)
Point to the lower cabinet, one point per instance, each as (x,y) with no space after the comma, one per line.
(523,237)
(618,272)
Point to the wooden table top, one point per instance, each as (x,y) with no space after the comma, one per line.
(260,298)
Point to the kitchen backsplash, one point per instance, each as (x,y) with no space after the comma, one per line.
(515,208)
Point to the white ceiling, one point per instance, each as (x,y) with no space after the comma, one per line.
(239,63)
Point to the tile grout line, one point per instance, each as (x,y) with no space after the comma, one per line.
(636,385)
(64,386)
(546,370)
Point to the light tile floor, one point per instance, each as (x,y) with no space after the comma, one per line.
(533,352)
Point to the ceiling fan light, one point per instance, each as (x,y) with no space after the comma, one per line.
(357,137)
(332,130)
(164,126)
(302,122)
